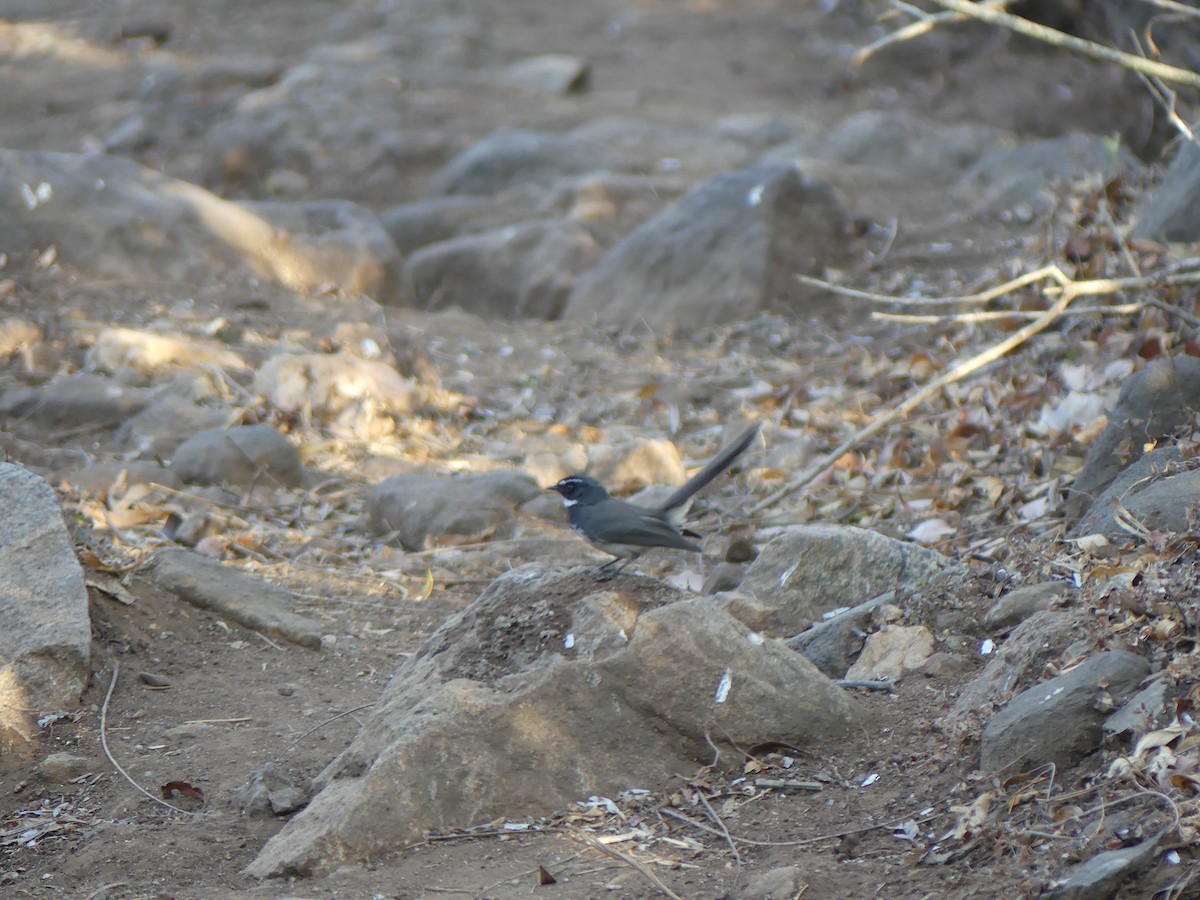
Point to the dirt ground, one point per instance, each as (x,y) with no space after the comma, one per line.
(234,701)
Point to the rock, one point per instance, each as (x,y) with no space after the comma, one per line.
(1158,491)
(834,644)
(412,226)
(62,768)
(528,269)
(723,252)
(1038,640)
(1008,176)
(947,665)
(1018,605)
(546,689)
(893,651)
(641,464)
(815,568)
(244,455)
(74,401)
(269,793)
(110,218)
(726,576)
(343,245)
(782,883)
(551,73)
(100,478)
(250,601)
(506,158)
(18,335)
(1152,406)
(415,508)
(341,390)
(45,644)
(1103,874)
(159,429)
(1057,721)
(1170,214)
(1150,708)
(144,351)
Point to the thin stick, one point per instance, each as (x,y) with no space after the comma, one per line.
(968,318)
(721,825)
(1079,45)
(104,743)
(925,24)
(630,861)
(348,712)
(1069,293)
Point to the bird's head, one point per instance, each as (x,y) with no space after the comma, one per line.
(579,490)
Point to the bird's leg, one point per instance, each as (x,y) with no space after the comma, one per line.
(602,573)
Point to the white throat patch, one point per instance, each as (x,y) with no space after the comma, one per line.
(569,503)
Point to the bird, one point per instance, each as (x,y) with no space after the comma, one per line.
(626,530)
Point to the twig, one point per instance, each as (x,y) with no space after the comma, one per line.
(1122,309)
(340,715)
(629,860)
(1079,45)
(104,743)
(721,825)
(924,24)
(888,685)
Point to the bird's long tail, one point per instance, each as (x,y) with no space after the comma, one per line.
(715,467)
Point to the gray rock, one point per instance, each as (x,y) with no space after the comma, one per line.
(1159,491)
(629,681)
(436,219)
(528,269)
(413,508)
(1104,873)
(45,644)
(834,644)
(269,792)
(815,568)
(782,883)
(1150,708)
(506,158)
(250,601)
(159,429)
(1057,721)
(101,477)
(726,576)
(74,401)
(551,73)
(243,456)
(1171,212)
(726,250)
(1012,175)
(1018,605)
(1153,404)
(62,768)
(110,218)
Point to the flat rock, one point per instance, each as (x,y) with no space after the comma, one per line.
(550,73)
(74,401)
(45,644)
(1103,874)
(1019,604)
(1159,491)
(1058,721)
(1153,405)
(250,601)
(729,248)
(244,455)
(893,652)
(414,508)
(806,572)
(1150,708)
(528,269)
(508,158)
(546,689)
(61,768)
(831,645)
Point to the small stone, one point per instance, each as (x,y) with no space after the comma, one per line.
(153,679)
(243,456)
(61,768)
(893,652)
(287,689)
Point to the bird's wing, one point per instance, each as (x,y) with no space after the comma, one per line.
(643,528)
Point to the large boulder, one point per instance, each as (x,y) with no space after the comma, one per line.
(726,250)
(548,688)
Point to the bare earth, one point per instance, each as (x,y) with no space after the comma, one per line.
(257,701)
